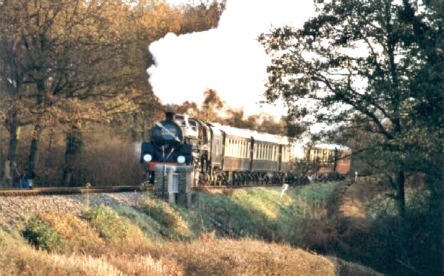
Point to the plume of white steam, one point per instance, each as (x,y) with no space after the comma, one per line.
(228,59)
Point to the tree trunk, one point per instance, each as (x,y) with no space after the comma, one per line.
(400,194)
(35,142)
(403,231)
(33,152)
(13,127)
(74,142)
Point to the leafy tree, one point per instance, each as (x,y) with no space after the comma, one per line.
(377,64)
(210,109)
(60,54)
(211,105)
(11,83)
(201,17)
(373,60)
(266,123)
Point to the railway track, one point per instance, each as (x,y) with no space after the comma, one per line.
(69,190)
(114,189)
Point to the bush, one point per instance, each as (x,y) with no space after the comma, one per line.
(147,224)
(172,224)
(40,234)
(110,226)
(114,228)
(78,234)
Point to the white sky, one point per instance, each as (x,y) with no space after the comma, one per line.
(227,59)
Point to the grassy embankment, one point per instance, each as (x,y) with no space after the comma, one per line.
(159,239)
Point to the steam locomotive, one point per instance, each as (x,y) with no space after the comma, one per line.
(224,155)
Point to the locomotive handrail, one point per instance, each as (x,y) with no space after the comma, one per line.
(159,124)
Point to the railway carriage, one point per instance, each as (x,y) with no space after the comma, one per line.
(266,158)
(236,149)
(331,160)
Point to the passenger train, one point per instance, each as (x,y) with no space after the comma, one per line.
(224,155)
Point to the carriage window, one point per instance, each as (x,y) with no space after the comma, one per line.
(229,147)
(233,148)
(271,151)
(264,151)
(259,151)
(241,148)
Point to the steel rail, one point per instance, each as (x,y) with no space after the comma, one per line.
(70,190)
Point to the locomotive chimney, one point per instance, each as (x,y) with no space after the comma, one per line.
(169,114)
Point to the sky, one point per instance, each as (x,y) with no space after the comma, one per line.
(227,59)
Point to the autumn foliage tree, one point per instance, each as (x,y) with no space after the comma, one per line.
(68,64)
(201,17)
(61,52)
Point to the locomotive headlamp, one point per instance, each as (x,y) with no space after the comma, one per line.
(147,157)
(181,159)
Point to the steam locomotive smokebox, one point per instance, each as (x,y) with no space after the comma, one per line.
(173,183)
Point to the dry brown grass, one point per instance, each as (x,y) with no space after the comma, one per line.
(206,256)
(245,257)
(89,253)
(352,197)
(144,265)
(18,258)
(86,254)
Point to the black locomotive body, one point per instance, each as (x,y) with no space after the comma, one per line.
(227,155)
(166,146)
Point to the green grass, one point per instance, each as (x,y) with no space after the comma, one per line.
(148,225)
(108,223)
(262,213)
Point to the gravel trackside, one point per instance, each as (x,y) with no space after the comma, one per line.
(14,209)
